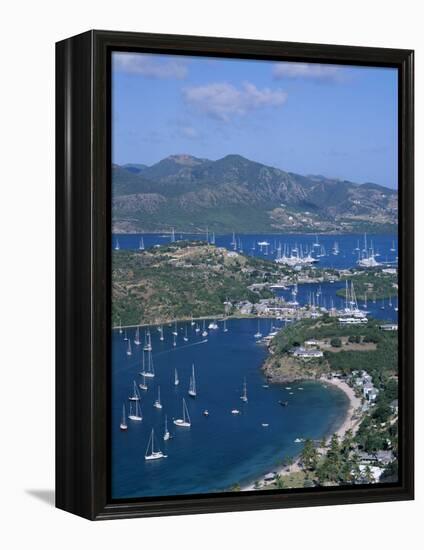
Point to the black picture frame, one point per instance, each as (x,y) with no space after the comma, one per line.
(83,236)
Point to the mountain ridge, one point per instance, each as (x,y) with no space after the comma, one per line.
(236,193)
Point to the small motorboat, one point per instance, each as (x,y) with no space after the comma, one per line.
(283,403)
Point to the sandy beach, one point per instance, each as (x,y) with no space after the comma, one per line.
(351,422)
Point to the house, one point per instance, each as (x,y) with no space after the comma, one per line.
(245,308)
(307,353)
(384,457)
(311,343)
(392,327)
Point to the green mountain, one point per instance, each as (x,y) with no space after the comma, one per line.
(237,194)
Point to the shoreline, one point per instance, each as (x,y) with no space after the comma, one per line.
(350,422)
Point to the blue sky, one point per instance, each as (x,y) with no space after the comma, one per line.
(305,118)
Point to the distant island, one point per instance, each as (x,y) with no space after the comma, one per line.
(236,194)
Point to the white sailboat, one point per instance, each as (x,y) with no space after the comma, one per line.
(143,386)
(185,421)
(225,326)
(129,352)
(150,453)
(175,331)
(161,338)
(137,341)
(336,250)
(192,388)
(135,414)
(148,342)
(258,333)
(243,397)
(135,395)
(117,247)
(148,370)
(174,343)
(185,337)
(166,434)
(123,425)
(205,332)
(157,404)
(120,326)
(197,329)
(213,238)
(125,335)
(393,249)
(141,244)
(176,379)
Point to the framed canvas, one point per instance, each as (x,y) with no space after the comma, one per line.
(234,274)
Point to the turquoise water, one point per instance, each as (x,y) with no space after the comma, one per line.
(221,449)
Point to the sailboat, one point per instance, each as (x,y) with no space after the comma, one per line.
(390,301)
(259,333)
(336,249)
(382,304)
(176,379)
(185,337)
(143,386)
(225,326)
(137,337)
(135,395)
(197,329)
(120,326)
(192,388)
(150,453)
(166,434)
(396,308)
(205,332)
(117,247)
(213,325)
(213,238)
(316,243)
(123,425)
(135,415)
(157,404)
(141,244)
(175,331)
(125,335)
(192,323)
(243,397)
(148,372)
(129,352)
(161,333)
(185,421)
(393,249)
(174,343)
(148,342)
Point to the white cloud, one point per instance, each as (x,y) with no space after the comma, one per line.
(310,71)
(189,132)
(150,65)
(222,100)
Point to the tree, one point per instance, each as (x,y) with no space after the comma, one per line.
(309,455)
(336,342)
(369,478)
(279,482)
